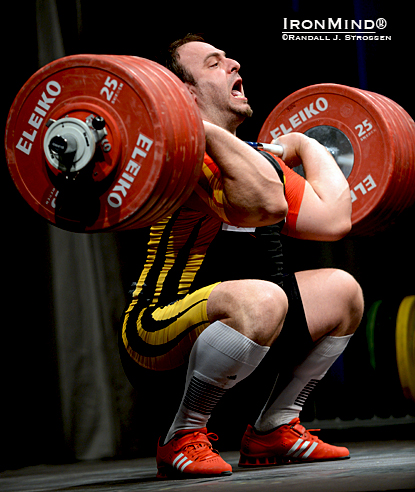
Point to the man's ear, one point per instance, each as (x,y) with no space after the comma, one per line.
(192,89)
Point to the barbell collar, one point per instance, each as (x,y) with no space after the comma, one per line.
(69,145)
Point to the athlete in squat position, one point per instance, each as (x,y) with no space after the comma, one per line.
(222,331)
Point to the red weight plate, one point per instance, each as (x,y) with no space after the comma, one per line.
(145,153)
(406,137)
(67,82)
(189,139)
(382,216)
(178,163)
(401,194)
(184,129)
(363,123)
(138,201)
(187,146)
(161,190)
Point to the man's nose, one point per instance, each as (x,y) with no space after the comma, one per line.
(232,65)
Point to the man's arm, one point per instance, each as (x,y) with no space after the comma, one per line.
(253,192)
(325,213)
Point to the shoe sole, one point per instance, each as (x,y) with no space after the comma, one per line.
(251,462)
(167,473)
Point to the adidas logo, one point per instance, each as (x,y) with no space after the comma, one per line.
(181,462)
(301,446)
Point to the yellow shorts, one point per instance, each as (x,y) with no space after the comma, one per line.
(160,338)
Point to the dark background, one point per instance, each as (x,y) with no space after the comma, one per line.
(40,421)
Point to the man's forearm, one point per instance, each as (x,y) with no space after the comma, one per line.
(326,208)
(323,174)
(254,194)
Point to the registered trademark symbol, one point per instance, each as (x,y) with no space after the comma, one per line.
(381,23)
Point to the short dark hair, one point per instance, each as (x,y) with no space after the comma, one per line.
(173,57)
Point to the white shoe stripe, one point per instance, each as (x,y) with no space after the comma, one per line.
(177,458)
(184,466)
(179,463)
(310,450)
(294,447)
(303,447)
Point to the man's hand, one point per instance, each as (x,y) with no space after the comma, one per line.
(296,146)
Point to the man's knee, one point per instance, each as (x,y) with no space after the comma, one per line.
(256,308)
(351,294)
(270,307)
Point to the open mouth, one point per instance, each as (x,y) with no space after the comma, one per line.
(237,90)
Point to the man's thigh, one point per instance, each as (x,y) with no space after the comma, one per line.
(160,338)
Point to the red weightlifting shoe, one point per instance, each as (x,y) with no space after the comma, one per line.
(290,443)
(189,454)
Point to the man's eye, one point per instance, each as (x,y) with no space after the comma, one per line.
(214,65)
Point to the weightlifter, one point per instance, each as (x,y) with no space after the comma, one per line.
(223,330)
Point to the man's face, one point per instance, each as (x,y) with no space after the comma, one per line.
(218,91)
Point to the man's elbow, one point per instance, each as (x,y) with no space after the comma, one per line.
(339,229)
(277,211)
(266,213)
(339,220)
(270,213)
(274,205)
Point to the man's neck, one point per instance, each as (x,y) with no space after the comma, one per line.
(229,124)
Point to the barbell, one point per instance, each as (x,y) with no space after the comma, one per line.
(103,142)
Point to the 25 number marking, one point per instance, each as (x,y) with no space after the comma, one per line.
(108,85)
(363,128)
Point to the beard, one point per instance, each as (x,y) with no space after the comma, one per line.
(240,114)
(246,112)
